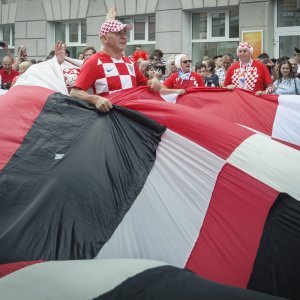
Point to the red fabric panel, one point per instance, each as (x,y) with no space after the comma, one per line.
(238,106)
(6,269)
(213,133)
(19,108)
(230,235)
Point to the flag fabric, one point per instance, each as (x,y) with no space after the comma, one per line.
(195,188)
(114,279)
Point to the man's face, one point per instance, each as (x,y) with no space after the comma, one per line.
(117,40)
(88,54)
(218,62)
(185,64)
(294,65)
(244,55)
(227,62)
(7,65)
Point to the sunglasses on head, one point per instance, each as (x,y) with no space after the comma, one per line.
(186,61)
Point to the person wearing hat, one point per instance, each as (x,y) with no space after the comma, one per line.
(108,71)
(247,73)
(183,78)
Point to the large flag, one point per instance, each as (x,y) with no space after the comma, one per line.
(152,180)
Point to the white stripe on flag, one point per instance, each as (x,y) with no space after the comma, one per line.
(270,162)
(76,280)
(287,122)
(164,221)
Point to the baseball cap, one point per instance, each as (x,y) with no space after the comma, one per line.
(113,26)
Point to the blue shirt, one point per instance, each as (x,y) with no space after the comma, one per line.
(289,86)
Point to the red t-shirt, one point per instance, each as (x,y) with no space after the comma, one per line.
(175,82)
(107,75)
(8,77)
(257,77)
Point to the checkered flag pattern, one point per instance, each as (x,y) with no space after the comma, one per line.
(250,78)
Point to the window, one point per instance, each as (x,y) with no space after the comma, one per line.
(286,34)
(7,34)
(73,33)
(142,34)
(288,13)
(214,33)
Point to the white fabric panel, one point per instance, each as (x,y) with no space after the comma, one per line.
(70,280)
(164,221)
(47,74)
(169,96)
(271,162)
(2,92)
(287,122)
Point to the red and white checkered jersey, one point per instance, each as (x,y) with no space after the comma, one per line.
(107,75)
(257,78)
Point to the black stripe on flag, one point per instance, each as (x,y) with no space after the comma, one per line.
(171,283)
(77,173)
(276,269)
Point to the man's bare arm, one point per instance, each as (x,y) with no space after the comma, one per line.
(101,103)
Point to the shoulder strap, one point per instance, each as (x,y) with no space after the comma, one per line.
(296,90)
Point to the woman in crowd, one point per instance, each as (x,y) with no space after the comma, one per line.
(287,83)
(211,79)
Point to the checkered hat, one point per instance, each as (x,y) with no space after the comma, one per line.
(244,45)
(113,26)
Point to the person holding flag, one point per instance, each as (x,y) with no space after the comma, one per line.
(109,71)
(247,73)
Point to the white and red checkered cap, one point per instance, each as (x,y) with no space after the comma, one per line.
(113,26)
(244,45)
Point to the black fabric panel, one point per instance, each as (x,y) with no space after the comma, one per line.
(276,269)
(71,182)
(170,283)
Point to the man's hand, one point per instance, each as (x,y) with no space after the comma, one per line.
(60,51)
(154,84)
(230,87)
(103,104)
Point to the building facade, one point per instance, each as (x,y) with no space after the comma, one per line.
(195,27)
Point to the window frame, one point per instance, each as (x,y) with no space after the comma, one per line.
(131,40)
(209,37)
(281,31)
(11,42)
(67,32)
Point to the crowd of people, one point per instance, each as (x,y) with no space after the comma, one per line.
(109,70)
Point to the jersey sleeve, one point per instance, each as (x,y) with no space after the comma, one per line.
(87,76)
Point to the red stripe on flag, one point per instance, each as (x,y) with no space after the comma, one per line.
(19,108)
(6,269)
(204,129)
(238,106)
(229,238)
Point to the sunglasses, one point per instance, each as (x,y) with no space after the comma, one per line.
(186,61)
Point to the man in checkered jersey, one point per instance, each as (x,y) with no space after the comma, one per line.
(247,73)
(109,71)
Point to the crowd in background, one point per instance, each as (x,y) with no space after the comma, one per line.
(212,71)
